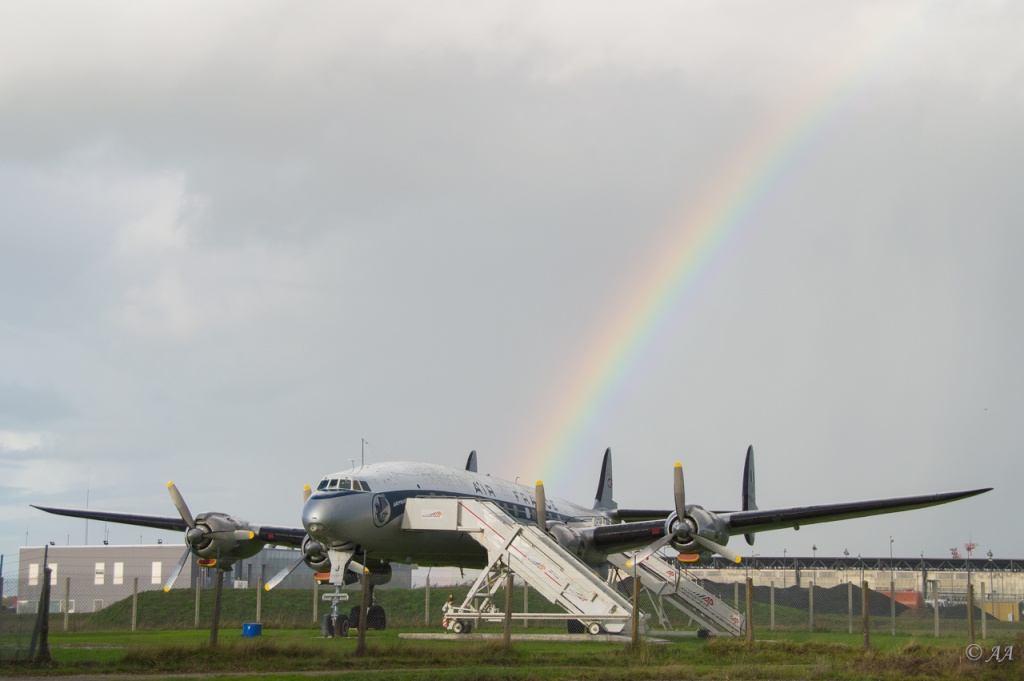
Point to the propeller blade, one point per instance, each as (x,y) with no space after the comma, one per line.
(680,490)
(279,577)
(177,568)
(179,503)
(542,508)
(649,551)
(306,491)
(717,548)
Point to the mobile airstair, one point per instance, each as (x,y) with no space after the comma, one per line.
(532,555)
(668,584)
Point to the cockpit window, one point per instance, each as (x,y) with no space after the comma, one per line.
(323,484)
(333,484)
(366,488)
(344,484)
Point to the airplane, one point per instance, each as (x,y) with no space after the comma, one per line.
(351,523)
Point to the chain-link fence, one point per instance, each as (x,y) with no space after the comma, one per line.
(427,601)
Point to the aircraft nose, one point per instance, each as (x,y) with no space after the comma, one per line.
(314,516)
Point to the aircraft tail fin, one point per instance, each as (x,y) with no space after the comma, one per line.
(749,494)
(471,462)
(603,499)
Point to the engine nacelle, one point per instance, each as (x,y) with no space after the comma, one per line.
(315,556)
(580,544)
(699,521)
(222,537)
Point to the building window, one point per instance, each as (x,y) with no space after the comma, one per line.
(157,570)
(118,573)
(33,574)
(53,574)
(98,580)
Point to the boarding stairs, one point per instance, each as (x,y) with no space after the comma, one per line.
(668,584)
(532,555)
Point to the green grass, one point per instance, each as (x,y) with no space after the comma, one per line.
(293,651)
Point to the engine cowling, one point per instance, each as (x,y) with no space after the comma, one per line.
(222,537)
(698,521)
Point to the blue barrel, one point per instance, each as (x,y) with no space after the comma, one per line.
(252,630)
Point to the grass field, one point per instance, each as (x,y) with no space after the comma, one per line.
(303,653)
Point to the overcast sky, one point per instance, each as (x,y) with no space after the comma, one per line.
(237,239)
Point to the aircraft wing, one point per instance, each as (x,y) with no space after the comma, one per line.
(748,522)
(290,536)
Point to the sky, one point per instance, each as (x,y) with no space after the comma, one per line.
(240,240)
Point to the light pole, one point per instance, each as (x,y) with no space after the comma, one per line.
(846,568)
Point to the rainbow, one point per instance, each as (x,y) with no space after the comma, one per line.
(743,186)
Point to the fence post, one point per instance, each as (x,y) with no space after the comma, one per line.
(135,603)
(970,613)
(316,600)
(197,603)
(935,603)
(750,610)
(892,604)
(736,595)
(849,601)
(526,603)
(865,607)
(364,604)
(426,602)
(984,632)
(259,599)
(67,603)
(508,611)
(771,605)
(810,606)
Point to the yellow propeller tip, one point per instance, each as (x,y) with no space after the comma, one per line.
(738,559)
(678,465)
(306,487)
(540,482)
(167,589)
(251,534)
(170,484)
(266,587)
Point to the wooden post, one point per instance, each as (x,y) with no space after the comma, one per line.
(197,602)
(135,603)
(636,606)
(426,602)
(218,587)
(736,595)
(526,603)
(970,613)
(67,603)
(508,610)
(849,602)
(259,599)
(865,607)
(771,605)
(750,610)
(363,607)
(935,604)
(810,606)
(892,605)
(984,628)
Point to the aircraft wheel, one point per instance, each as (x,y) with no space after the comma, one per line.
(376,618)
(458,627)
(341,626)
(353,617)
(594,629)
(326,626)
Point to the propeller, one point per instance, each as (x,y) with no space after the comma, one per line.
(177,569)
(680,526)
(542,509)
(196,533)
(309,548)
